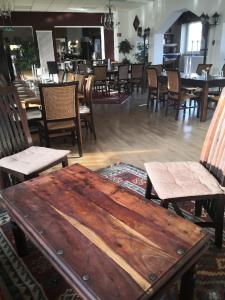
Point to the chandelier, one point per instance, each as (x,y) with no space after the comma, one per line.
(108,19)
(6,8)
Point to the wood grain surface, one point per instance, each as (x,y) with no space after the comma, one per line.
(107,242)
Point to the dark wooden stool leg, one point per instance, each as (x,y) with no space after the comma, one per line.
(187,285)
(20,239)
(65,162)
(148,191)
(218,220)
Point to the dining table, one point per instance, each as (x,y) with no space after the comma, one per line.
(204,82)
(106,241)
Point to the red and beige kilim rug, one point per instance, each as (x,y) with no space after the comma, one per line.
(33,277)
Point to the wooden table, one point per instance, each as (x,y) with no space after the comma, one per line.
(195,80)
(106,241)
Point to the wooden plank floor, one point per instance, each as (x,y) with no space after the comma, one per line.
(132,134)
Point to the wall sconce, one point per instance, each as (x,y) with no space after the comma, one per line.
(206,19)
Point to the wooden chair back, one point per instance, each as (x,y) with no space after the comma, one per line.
(203,67)
(159,68)
(152,78)
(123,71)
(213,150)
(137,71)
(80,78)
(14,132)
(100,73)
(174,84)
(59,101)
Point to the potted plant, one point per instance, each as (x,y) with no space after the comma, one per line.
(125,47)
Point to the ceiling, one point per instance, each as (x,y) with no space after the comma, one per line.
(74,5)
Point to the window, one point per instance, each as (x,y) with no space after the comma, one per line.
(194,37)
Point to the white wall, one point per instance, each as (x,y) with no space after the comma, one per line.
(159,14)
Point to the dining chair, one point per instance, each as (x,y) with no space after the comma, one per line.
(100,78)
(159,68)
(122,79)
(137,77)
(155,90)
(176,97)
(19,159)
(80,78)
(202,182)
(69,76)
(60,112)
(86,110)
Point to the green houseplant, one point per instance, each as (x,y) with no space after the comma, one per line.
(125,47)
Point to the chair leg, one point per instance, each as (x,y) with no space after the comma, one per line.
(218,221)
(79,138)
(148,191)
(177,111)
(149,95)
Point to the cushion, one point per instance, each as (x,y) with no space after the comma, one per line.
(32,159)
(173,180)
(84,109)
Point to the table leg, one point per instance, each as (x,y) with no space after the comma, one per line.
(204,103)
(20,239)
(187,285)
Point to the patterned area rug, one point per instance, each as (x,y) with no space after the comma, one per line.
(33,277)
(113,98)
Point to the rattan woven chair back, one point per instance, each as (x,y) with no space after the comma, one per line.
(137,71)
(3,81)
(59,101)
(100,73)
(123,71)
(152,78)
(14,132)
(159,68)
(203,67)
(213,150)
(174,85)
(80,78)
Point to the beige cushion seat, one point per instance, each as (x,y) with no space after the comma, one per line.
(32,159)
(173,180)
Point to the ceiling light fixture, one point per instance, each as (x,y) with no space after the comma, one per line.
(6,8)
(108,19)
